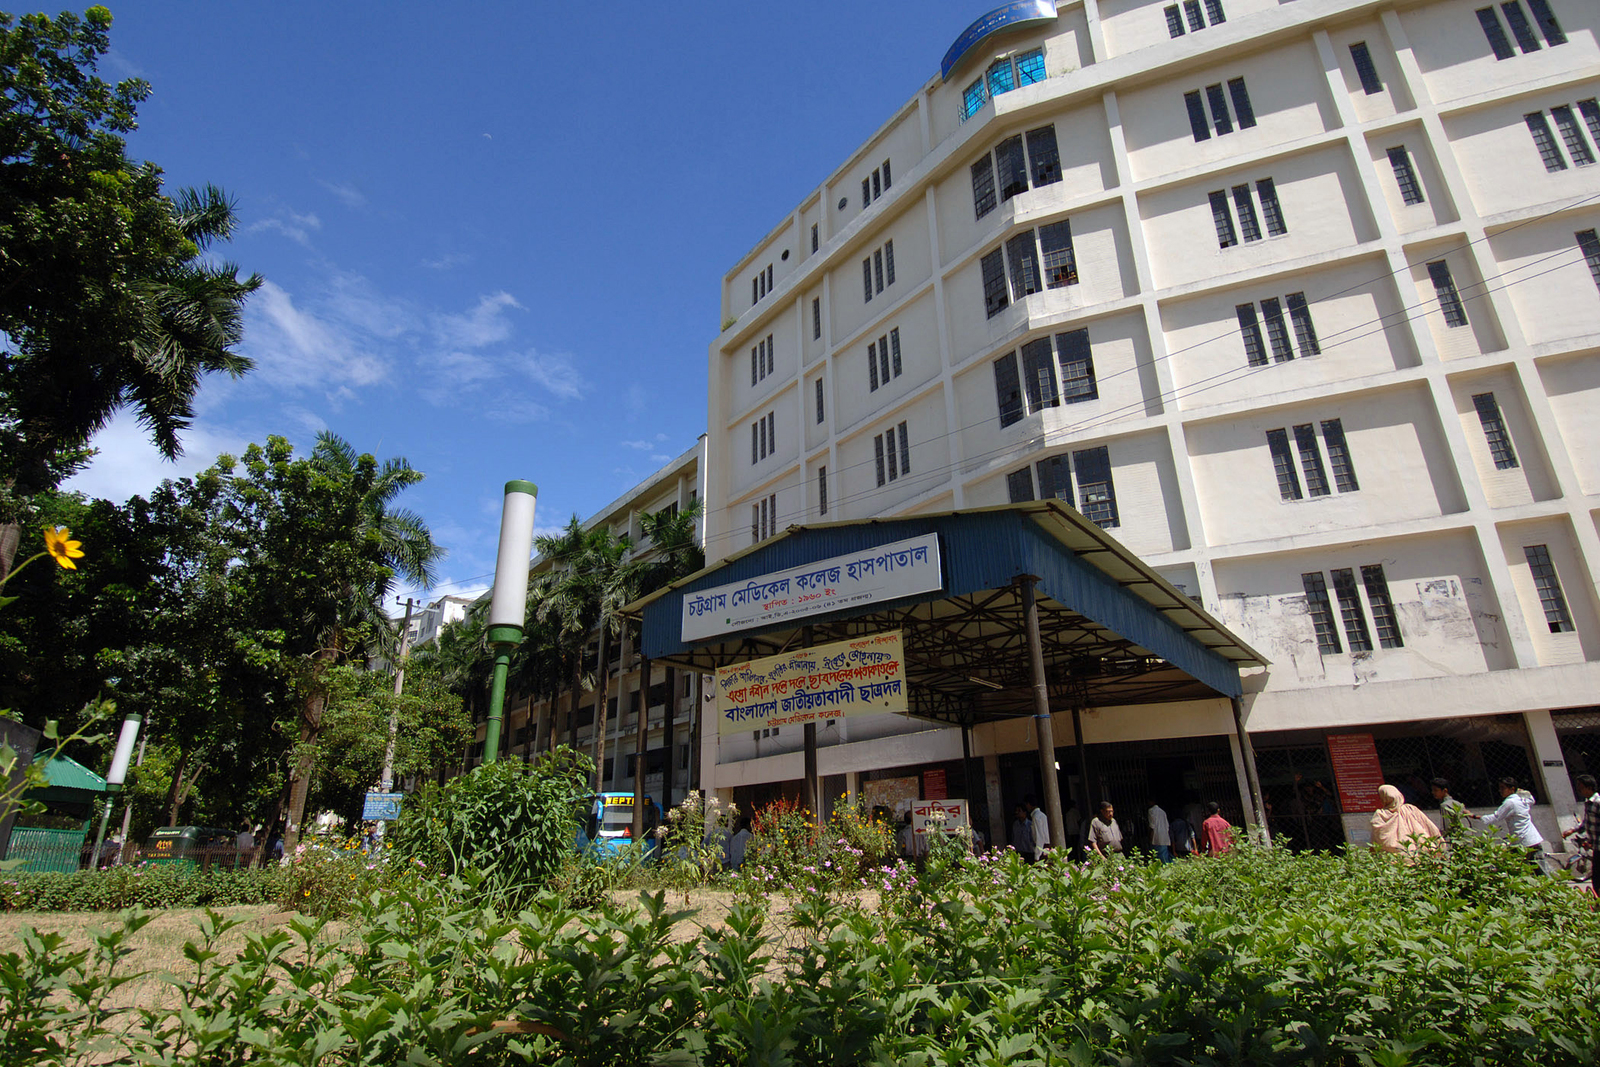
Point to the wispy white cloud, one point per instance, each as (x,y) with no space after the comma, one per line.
(485,324)
(642,446)
(295,226)
(128,464)
(347,194)
(554,372)
(319,347)
(448,261)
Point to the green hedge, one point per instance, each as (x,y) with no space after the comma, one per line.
(1257,958)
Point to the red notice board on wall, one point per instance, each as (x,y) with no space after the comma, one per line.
(934,786)
(1356,771)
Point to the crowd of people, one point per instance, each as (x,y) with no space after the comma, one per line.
(1197,830)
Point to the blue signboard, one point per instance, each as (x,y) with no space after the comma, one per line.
(1021,13)
(382,806)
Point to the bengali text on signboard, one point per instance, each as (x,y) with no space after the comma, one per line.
(1356,771)
(865,675)
(883,572)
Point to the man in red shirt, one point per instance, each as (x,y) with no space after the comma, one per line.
(1215,833)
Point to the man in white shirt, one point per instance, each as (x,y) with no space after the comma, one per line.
(1041,827)
(1160,832)
(1515,817)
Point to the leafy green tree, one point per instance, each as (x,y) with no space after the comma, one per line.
(107,298)
(431,725)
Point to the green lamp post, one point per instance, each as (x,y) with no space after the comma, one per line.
(508,607)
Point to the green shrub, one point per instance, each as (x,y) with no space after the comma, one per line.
(512,822)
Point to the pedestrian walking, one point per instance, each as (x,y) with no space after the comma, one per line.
(1041,827)
(1216,833)
(1400,826)
(1022,833)
(1589,827)
(1105,836)
(1452,813)
(1515,817)
(1160,832)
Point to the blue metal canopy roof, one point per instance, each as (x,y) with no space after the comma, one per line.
(1114,631)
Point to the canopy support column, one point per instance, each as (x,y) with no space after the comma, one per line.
(1041,715)
(813,782)
(1251,776)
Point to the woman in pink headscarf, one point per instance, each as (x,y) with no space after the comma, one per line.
(1401,827)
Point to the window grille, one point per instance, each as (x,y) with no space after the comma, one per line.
(1241,103)
(1520,28)
(1043,156)
(816,318)
(819,400)
(983,191)
(894,349)
(1055,479)
(1590,110)
(1405,175)
(1344,472)
(1277,332)
(1011,167)
(1544,141)
(1249,225)
(1370,82)
(1383,616)
(1355,620)
(1271,210)
(1219,110)
(1283,464)
(1496,35)
(1305,437)
(1223,218)
(1572,135)
(1191,11)
(995,295)
(1060,265)
(1545,580)
(872,366)
(905,450)
(1547,22)
(822,490)
(1304,331)
(1077,366)
(1321,612)
(1198,124)
(1494,431)
(1023,257)
(1449,299)
(1250,329)
(1589,244)
(1214,12)
(1019,486)
(1174,21)
(888,261)
(1039,375)
(1097,497)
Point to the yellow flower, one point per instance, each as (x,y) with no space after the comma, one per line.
(57,541)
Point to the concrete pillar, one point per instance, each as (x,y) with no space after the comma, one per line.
(997,815)
(1554,777)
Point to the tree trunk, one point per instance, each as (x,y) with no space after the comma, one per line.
(602,687)
(572,707)
(640,740)
(667,738)
(311,712)
(10,538)
(175,790)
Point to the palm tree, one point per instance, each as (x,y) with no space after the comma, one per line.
(381,543)
(564,599)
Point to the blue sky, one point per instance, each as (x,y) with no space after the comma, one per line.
(493,233)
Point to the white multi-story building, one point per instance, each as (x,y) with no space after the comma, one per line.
(1300,301)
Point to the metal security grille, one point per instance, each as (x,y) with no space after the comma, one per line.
(1302,806)
(1472,753)
(1181,774)
(1579,733)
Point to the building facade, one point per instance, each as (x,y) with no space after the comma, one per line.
(530,718)
(1300,301)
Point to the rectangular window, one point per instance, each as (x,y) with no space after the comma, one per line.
(888,261)
(768,286)
(1304,332)
(1191,11)
(877,187)
(1355,620)
(1250,329)
(1097,497)
(1321,612)
(1008,389)
(1544,141)
(1547,22)
(877,271)
(1214,12)
(888,452)
(1019,485)
(872,366)
(905,451)
(819,399)
(1383,617)
(1283,464)
(1077,367)
(1023,256)
(1198,124)
(1044,158)
(883,359)
(866,192)
(1572,135)
(983,194)
(1174,21)
(1405,175)
(1226,238)
(894,348)
(816,318)
(1219,109)
(1060,266)
(877,455)
(814,241)
(1344,472)
(771,351)
(755,523)
(755,290)
(1494,431)
(755,434)
(1271,210)
(1496,35)
(1520,28)
(866,277)
(822,490)
(1055,479)
(761,433)
(772,433)
(1370,82)
(1249,225)
(1039,375)
(1551,598)
(1241,103)
(1277,331)
(1030,67)
(995,295)
(886,181)
(1449,299)
(1011,167)
(1589,244)
(1590,110)
(1305,438)
(755,368)
(972,99)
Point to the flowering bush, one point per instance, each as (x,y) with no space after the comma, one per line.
(319,880)
(788,851)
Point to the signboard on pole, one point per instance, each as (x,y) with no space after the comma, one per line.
(884,572)
(953,812)
(381,807)
(865,675)
(1356,771)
